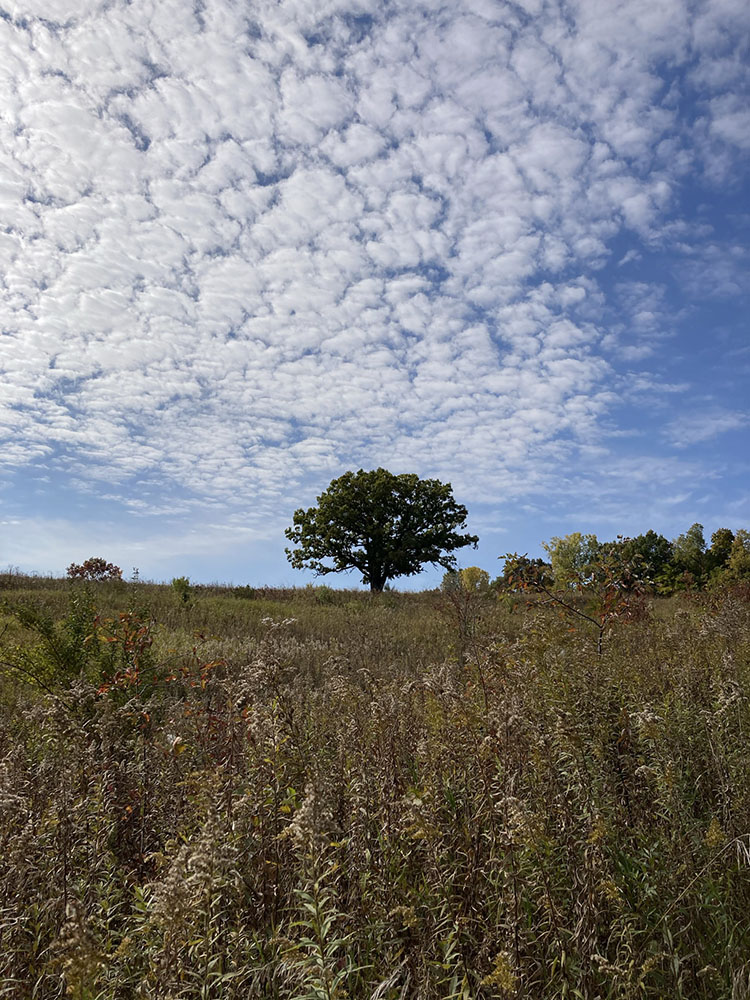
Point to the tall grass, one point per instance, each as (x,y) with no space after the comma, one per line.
(324,795)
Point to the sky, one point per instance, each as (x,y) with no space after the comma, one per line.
(248,246)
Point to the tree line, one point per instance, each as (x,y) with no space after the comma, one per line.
(387,526)
(687,562)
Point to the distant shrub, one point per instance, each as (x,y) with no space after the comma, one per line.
(325,595)
(245,591)
(472,579)
(451,581)
(181,587)
(95,568)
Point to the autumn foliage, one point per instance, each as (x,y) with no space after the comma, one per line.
(529,794)
(95,568)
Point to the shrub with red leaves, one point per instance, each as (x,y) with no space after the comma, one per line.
(95,568)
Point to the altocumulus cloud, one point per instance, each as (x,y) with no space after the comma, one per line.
(247,246)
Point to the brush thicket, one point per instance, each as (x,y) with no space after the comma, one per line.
(314,796)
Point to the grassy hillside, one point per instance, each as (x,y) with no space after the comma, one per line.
(324,794)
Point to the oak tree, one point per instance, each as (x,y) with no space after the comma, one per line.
(381,524)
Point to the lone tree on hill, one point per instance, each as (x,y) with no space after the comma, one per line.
(383,525)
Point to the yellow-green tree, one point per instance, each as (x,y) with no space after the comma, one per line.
(474,579)
(572,556)
(739,555)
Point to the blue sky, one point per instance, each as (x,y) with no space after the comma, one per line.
(246,247)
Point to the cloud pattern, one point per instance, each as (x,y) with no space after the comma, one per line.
(245,247)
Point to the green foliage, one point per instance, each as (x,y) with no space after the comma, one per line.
(689,552)
(84,646)
(650,552)
(653,562)
(59,652)
(325,595)
(739,556)
(721,548)
(319,957)
(451,581)
(183,590)
(571,556)
(383,525)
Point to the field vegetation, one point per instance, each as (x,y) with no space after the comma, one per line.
(220,793)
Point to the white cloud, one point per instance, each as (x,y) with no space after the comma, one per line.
(244,249)
(695,428)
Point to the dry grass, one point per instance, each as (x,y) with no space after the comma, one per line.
(315,794)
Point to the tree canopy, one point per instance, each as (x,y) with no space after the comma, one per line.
(571,556)
(647,561)
(649,552)
(688,550)
(381,524)
(721,548)
(471,579)
(739,556)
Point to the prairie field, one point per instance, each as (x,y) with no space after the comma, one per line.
(225,793)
